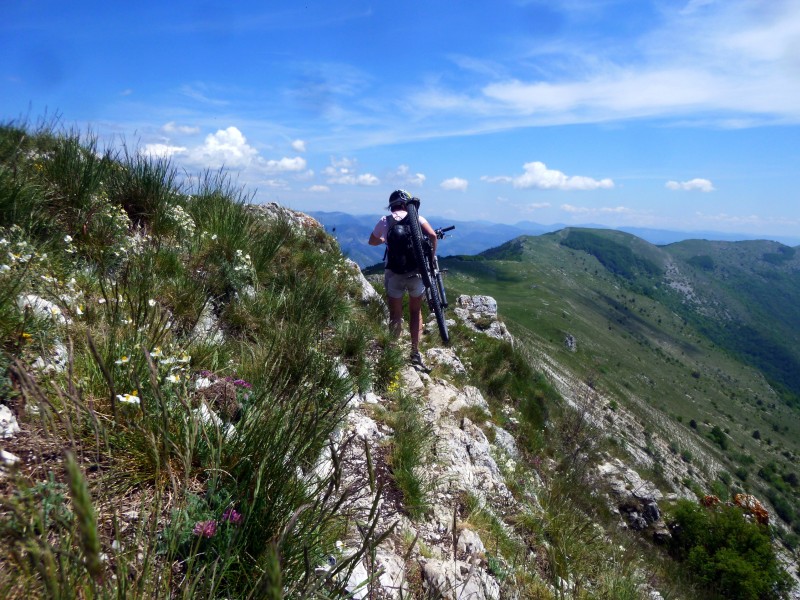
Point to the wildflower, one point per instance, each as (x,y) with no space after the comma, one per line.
(214,237)
(79,310)
(202,383)
(101,300)
(151,302)
(156,352)
(174,377)
(168,361)
(122,361)
(231,515)
(184,358)
(205,529)
(67,238)
(131,398)
(4,268)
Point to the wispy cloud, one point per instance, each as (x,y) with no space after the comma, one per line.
(455,184)
(726,58)
(173,127)
(404,176)
(586,210)
(697,184)
(343,171)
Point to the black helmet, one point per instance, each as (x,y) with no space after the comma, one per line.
(399,197)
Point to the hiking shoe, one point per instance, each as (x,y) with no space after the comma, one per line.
(416,362)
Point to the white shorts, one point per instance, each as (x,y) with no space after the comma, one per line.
(398,284)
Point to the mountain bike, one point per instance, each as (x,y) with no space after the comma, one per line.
(429,268)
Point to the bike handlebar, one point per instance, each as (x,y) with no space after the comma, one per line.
(441,231)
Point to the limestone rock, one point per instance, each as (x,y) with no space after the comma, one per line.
(458,580)
(447,358)
(8,423)
(479,313)
(470,543)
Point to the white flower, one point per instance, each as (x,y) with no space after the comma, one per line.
(68,238)
(151,302)
(174,377)
(101,300)
(123,361)
(213,237)
(129,398)
(4,268)
(156,352)
(202,383)
(184,358)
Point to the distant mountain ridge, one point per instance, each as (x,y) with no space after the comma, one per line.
(473,237)
(699,338)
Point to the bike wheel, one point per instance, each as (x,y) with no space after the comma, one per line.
(428,276)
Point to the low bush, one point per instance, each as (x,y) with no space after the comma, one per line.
(727,555)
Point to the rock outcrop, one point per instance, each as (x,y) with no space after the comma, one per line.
(479,313)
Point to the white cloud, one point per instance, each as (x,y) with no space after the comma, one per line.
(161,150)
(497,179)
(538,205)
(227,147)
(299,146)
(406,177)
(275,183)
(697,184)
(538,176)
(173,127)
(296,164)
(343,172)
(706,59)
(455,183)
(319,189)
(583,210)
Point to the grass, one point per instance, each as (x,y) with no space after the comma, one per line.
(635,347)
(187,354)
(410,455)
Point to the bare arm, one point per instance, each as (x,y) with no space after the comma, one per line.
(375,241)
(426,227)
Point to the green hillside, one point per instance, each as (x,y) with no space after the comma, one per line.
(704,333)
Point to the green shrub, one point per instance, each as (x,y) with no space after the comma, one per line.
(727,555)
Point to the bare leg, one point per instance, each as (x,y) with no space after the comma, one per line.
(415,321)
(396,316)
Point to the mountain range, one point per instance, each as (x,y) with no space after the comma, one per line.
(473,237)
(699,339)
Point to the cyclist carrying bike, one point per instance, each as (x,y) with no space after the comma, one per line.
(403,276)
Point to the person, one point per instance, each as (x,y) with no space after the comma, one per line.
(397,284)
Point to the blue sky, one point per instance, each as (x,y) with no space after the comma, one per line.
(677,114)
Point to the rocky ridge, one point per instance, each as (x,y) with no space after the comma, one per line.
(439,554)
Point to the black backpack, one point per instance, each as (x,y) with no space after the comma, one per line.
(399,247)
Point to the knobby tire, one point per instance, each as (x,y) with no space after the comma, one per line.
(429,277)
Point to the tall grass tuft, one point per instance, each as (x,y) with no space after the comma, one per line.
(220,446)
(85,517)
(410,451)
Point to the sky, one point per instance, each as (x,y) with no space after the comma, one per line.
(666,114)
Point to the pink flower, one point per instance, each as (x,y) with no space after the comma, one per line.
(231,515)
(205,529)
